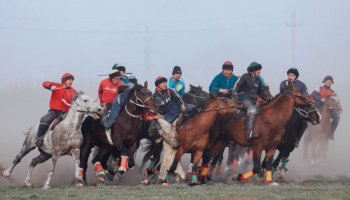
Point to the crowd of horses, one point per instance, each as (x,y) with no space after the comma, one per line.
(204,132)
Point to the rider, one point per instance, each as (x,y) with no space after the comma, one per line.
(62,96)
(297,122)
(170,104)
(175,81)
(108,89)
(121,68)
(321,94)
(249,88)
(224,82)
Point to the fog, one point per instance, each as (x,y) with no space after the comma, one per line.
(41,41)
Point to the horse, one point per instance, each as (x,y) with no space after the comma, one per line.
(318,136)
(195,97)
(287,144)
(64,139)
(123,137)
(193,133)
(270,124)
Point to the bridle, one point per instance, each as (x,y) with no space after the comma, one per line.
(139,103)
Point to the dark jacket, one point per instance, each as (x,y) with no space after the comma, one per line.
(297,84)
(249,87)
(167,100)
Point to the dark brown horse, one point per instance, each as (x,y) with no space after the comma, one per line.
(270,124)
(124,133)
(193,134)
(318,136)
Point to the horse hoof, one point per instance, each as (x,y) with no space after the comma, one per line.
(193,183)
(46,187)
(165,182)
(273,184)
(79,184)
(5,173)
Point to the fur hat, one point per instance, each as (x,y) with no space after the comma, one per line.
(159,80)
(327,78)
(177,70)
(254,66)
(227,65)
(113,74)
(293,71)
(66,77)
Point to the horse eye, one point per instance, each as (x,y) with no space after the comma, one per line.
(85,101)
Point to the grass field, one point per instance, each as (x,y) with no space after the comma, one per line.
(316,188)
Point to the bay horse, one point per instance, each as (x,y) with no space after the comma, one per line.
(124,134)
(64,139)
(193,133)
(195,97)
(318,136)
(270,124)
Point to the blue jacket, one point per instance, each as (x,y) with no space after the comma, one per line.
(178,87)
(297,84)
(221,82)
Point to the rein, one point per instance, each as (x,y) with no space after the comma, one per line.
(303,112)
(143,105)
(220,108)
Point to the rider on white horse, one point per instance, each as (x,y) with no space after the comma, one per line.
(61,98)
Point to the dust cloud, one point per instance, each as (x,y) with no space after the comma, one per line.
(22,106)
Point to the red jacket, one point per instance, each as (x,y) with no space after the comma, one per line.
(325,92)
(61,98)
(108,91)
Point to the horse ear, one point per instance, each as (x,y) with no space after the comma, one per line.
(191,86)
(290,85)
(145,84)
(80,93)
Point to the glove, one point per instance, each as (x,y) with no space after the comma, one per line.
(53,88)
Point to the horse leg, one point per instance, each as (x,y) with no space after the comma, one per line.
(218,146)
(123,159)
(24,151)
(269,158)
(37,160)
(78,171)
(52,169)
(197,157)
(179,152)
(85,150)
(257,150)
(97,161)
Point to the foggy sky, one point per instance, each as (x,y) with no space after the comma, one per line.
(40,40)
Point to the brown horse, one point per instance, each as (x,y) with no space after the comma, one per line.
(318,136)
(193,134)
(270,124)
(124,134)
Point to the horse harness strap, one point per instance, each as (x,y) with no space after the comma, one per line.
(130,114)
(219,108)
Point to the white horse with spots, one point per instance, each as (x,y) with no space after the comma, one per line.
(64,139)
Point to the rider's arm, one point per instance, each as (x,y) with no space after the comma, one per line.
(316,94)
(100,92)
(48,84)
(214,86)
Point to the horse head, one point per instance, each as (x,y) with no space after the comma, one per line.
(305,105)
(333,103)
(143,97)
(197,96)
(88,105)
(266,92)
